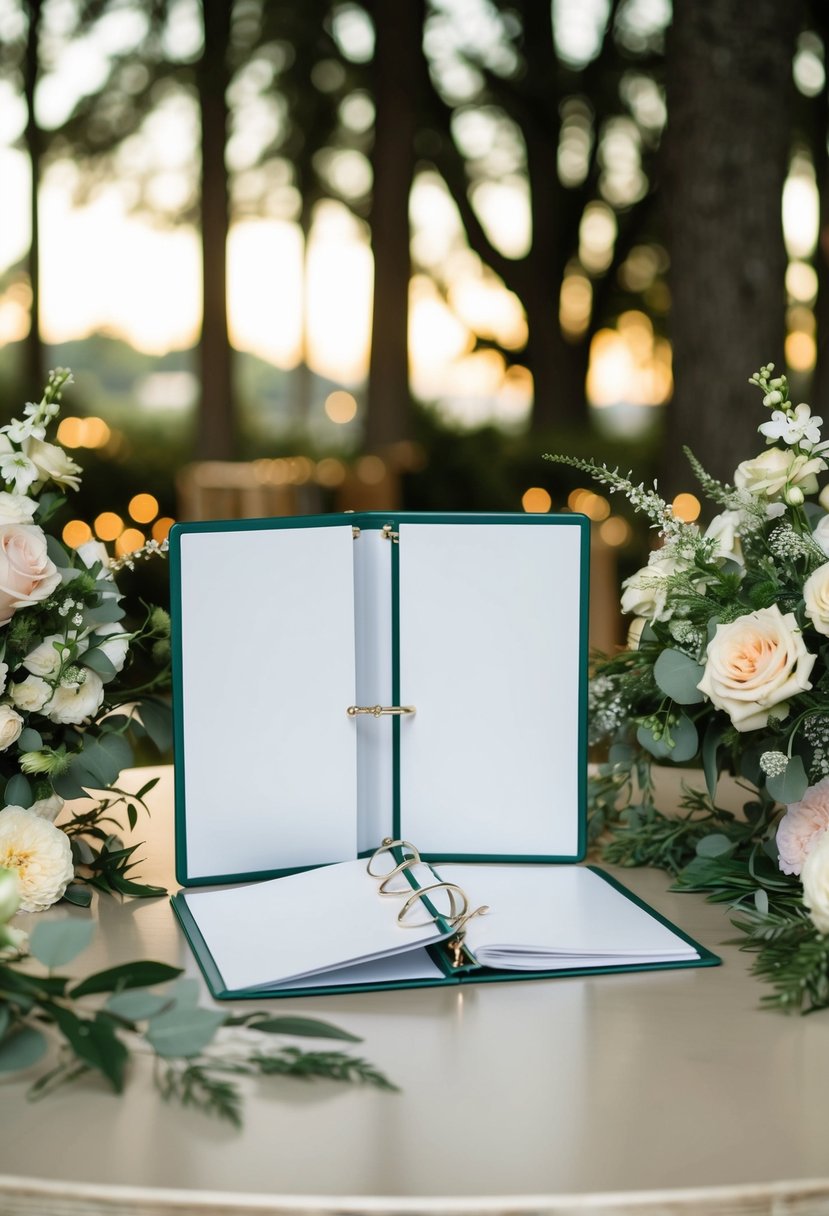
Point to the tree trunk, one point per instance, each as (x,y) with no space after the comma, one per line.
(216,438)
(397,59)
(34,369)
(729,81)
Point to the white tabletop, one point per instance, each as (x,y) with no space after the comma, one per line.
(520,1096)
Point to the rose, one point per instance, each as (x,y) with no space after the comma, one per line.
(724,528)
(11,724)
(802,825)
(44,660)
(112,641)
(16,508)
(815,879)
(48,808)
(774,472)
(27,574)
(646,592)
(76,700)
(30,694)
(635,630)
(52,463)
(754,664)
(39,852)
(821,533)
(816,597)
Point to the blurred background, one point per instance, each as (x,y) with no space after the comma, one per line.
(315,255)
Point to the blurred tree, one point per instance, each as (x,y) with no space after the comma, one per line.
(727,147)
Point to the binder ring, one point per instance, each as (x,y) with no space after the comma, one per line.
(455,915)
(404,865)
(386,847)
(377,711)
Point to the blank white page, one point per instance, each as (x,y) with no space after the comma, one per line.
(490,657)
(267,648)
(564,911)
(299,925)
(373,622)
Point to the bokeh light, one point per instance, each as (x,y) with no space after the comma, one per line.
(75,533)
(161,528)
(686,507)
(536,501)
(370,470)
(108,526)
(340,406)
(143,508)
(129,540)
(615,531)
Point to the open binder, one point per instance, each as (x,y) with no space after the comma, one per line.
(347,679)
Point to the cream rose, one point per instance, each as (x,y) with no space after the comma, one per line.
(821,534)
(44,660)
(52,463)
(645,593)
(754,664)
(724,528)
(11,724)
(30,694)
(816,597)
(75,702)
(41,855)
(16,508)
(774,472)
(815,879)
(27,574)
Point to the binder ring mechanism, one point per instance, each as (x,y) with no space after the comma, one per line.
(378,710)
(395,882)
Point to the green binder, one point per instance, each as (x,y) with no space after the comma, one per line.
(342,680)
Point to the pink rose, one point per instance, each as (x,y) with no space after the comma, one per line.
(802,826)
(27,574)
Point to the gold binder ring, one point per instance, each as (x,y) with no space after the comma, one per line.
(451,890)
(386,847)
(378,710)
(401,869)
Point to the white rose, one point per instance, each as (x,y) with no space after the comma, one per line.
(41,855)
(815,878)
(73,703)
(52,463)
(754,664)
(113,642)
(774,472)
(816,596)
(4,675)
(30,694)
(11,724)
(48,808)
(27,574)
(44,660)
(646,592)
(823,498)
(724,528)
(821,534)
(16,508)
(635,629)
(92,551)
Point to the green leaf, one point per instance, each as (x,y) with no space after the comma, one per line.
(141,974)
(157,719)
(183,1032)
(790,786)
(677,676)
(132,816)
(94,1042)
(684,738)
(18,791)
(5,1019)
(136,1005)
(100,662)
(309,1028)
(621,753)
(104,614)
(30,740)
(712,739)
(78,894)
(56,942)
(185,993)
(715,845)
(73,783)
(22,1049)
(116,747)
(57,553)
(761,901)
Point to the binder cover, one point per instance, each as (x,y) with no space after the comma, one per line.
(344,679)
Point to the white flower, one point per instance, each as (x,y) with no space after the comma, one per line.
(27,573)
(774,471)
(30,694)
(92,551)
(754,664)
(821,534)
(793,430)
(44,660)
(724,528)
(11,725)
(635,629)
(9,894)
(816,597)
(39,852)
(646,592)
(48,808)
(52,464)
(16,508)
(20,429)
(17,470)
(112,641)
(75,702)
(815,878)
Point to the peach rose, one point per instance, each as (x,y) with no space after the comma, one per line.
(754,664)
(27,574)
(815,879)
(802,826)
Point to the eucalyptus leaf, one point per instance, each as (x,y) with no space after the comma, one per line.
(100,663)
(185,992)
(621,753)
(5,1019)
(647,634)
(56,942)
(18,791)
(677,675)
(157,719)
(95,1042)
(57,552)
(22,1049)
(116,748)
(76,893)
(712,739)
(657,747)
(183,1032)
(761,901)
(104,614)
(30,740)
(684,740)
(136,1005)
(715,845)
(141,974)
(791,785)
(309,1028)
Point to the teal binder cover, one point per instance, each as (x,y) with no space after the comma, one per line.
(342,679)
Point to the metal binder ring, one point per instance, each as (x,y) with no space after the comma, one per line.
(451,890)
(386,847)
(404,865)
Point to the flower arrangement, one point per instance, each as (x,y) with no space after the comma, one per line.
(727,668)
(67,718)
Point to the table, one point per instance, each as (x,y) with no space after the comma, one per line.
(659,1092)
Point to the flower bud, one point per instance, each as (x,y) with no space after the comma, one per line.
(773,398)
(794,496)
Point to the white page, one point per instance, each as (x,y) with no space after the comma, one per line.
(490,657)
(284,928)
(413,965)
(373,624)
(268,673)
(569,913)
